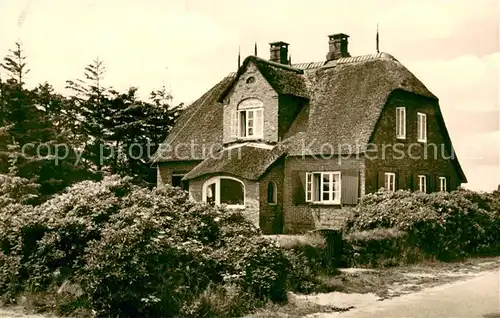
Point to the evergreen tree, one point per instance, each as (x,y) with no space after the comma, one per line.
(15,64)
(34,129)
(136,130)
(90,104)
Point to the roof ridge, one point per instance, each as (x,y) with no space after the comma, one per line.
(283,66)
(345,60)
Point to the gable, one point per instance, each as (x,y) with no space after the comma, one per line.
(438,145)
(347,100)
(284,79)
(250,90)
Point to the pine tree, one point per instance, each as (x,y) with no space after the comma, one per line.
(15,64)
(135,126)
(90,104)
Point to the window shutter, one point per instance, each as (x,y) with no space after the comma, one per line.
(434,182)
(381,179)
(350,187)
(298,185)
(400,181)
(428,185)
(234,124)
(258,123)
(415,182)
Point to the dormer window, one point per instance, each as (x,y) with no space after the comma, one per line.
(247,120)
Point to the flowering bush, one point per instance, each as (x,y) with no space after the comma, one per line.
(135,251)
(446,225)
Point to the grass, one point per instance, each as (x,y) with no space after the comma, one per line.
(293,241)
(294,309)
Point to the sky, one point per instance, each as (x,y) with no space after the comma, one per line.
(188,46)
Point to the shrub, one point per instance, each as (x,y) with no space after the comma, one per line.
(17,190)
(137,252)
(379,248)
(444,225)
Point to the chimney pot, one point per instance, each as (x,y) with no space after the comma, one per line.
(279,52)
(338,46)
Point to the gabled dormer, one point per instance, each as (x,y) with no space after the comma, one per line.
(264,99)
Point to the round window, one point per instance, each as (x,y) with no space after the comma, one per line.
(250,80)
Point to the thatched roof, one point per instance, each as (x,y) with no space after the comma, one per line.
(247,162)
(200,124)
(284,79)
(346,97)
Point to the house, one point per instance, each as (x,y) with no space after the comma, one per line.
(291,144)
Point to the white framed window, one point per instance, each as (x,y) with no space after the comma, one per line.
(390,181)
(421,127)
(400,122)
(442,184)
(248,120)
(323,187)
(224,190)
(250,123)
(422,183)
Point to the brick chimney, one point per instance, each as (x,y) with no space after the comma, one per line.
(337,44)
(279,52)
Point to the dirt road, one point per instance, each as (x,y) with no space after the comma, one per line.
(470,298)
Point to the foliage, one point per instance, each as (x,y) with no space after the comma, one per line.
(441,224)
(15,64)
(17,190)
(138,252)
(379,248)
(56,140)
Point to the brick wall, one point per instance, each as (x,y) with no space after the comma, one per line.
(260,89)
(252,201)
(166,169)
(271,215)
(407,168)
(300,216)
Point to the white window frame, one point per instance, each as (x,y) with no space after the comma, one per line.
(252,109)
(388,185)
(421,127)
(216,180)
(400,122)
(310,187)
(442,184)
(422,183)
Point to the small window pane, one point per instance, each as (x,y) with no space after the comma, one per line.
(272,195)
(326,182)
(231,192)
(210,194)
